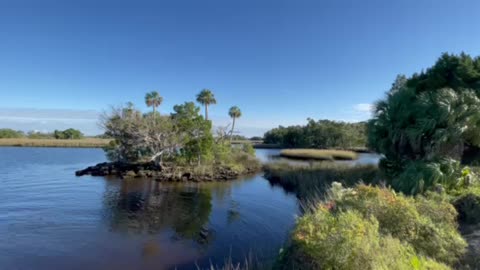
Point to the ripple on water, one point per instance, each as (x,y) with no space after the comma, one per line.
(57,220)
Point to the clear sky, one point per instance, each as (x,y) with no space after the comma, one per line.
(62,62)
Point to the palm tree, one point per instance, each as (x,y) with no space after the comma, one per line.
(234,113)
(153,99)
(206,97)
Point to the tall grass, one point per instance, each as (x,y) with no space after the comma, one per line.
(319,154)
(308,182)
(26,142)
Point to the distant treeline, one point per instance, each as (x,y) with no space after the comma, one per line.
(319,134)
(57,134)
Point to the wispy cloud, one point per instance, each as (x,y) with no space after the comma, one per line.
(363,107)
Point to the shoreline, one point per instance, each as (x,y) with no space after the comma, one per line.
(167,173)
(58,143)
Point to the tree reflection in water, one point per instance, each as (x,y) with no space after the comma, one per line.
(146,206)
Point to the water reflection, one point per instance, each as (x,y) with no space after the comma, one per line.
(146,206)
(59,221)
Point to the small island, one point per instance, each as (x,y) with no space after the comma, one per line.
(176,147)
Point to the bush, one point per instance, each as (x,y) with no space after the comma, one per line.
(429,225)
(348,240)
(375,228)
(419,176)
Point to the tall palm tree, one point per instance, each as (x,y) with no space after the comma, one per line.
(153,99)
(206,97)
(234,113)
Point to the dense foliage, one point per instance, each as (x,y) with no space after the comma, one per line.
(374,228)
(427,121)
(183,139)
(68,134)
(57,134)
(10,133)
(319,134)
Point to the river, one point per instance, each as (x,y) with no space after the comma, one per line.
(50,219)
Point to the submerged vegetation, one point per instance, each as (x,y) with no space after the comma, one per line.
(317,154)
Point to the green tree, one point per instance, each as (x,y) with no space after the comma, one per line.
(195,132)
(426,120)
(153,99)
(10,133)
(234,113)
(68,134)
(206,98)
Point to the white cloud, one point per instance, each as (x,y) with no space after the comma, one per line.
(363,107)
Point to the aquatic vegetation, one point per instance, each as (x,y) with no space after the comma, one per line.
(318,154)
(312,181)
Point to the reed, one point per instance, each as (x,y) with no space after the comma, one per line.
(308,182)
(80,143)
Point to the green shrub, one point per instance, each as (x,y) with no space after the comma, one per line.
(347,240)
(429,226)
(374,228)
(418,177)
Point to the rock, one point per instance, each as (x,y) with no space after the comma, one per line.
(129,174)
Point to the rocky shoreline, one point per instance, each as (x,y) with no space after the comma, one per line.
(163,173)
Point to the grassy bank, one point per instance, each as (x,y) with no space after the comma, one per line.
(310,181)
(80,143)
(318,154)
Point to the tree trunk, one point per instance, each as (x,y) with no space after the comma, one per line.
(154,114)
(206,112)
(233,128)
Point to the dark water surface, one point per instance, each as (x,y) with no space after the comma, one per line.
(50,219)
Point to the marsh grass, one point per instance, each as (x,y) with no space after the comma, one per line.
(319,154)
(309,182)
(80,143)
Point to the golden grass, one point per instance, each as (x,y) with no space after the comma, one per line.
(26,142)
(319,154)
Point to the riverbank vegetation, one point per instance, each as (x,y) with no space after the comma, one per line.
(311,182)
(68,134)
(426,124)
(318,154)
(424,128)
(375,228)
(321,134)
(179,146)
(79,143)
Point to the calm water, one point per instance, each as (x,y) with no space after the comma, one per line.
(50,219)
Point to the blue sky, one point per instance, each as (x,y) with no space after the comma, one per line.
(63,62)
